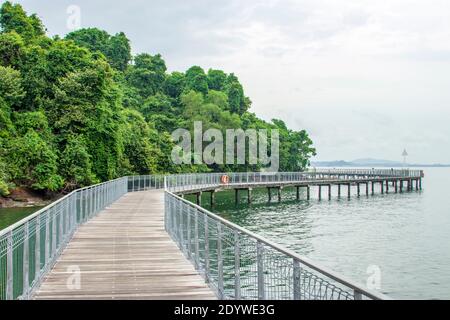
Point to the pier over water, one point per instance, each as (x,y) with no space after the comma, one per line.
(138,238)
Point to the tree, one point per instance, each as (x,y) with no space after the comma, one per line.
(159,103)
(174,84)
(4,178)
(216,79)
(116,48)
(140,148)
(11,90)
(147,75)
(11,49)
(76,163)
(218,98)
(238,102)
(86,102)
(34,163)
(196,80)
(14,18)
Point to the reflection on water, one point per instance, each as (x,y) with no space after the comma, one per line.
(406,235)
(9,216)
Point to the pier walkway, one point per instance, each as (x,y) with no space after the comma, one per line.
(124,253)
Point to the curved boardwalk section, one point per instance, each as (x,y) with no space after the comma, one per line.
(124,253)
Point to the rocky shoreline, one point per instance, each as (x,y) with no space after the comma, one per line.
(23,198)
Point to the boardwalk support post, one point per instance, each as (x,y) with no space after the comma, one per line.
(213,198)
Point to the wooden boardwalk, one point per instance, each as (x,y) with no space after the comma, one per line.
(125,253)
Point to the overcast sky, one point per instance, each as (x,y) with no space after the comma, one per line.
(364,78)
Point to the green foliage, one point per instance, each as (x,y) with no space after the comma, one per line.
(216,79)
(13,17)
(32,120)
(115,48)
(81,110)
(11,86)
(34,163)
(196,80)
(11,49)
(139,144)
(76,163)
(6,125)
(4,177)
(147,75)
(174,84)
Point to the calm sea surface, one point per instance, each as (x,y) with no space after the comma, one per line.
(406,235)
(9,216)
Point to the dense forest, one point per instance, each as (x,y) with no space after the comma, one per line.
(82,109)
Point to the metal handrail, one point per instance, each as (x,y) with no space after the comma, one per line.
(358,290)
(53,204)
(182,182)
(30,247)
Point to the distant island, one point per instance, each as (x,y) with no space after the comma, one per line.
(369,162)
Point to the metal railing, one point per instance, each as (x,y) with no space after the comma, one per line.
(183,182)
(400,173)
(147,182)
(30,247)
(239,264)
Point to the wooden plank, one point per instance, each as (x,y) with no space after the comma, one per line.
(125,253)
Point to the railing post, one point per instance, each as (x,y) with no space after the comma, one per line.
(180,223)
(37,249)
(53,231)
(357,294)
(189,246)
(61,221)
(219,260)
(297,284)
(237,266)
(9,268)
(25,263)
(260,265)
(47,237)
(197,258)
(206,249)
